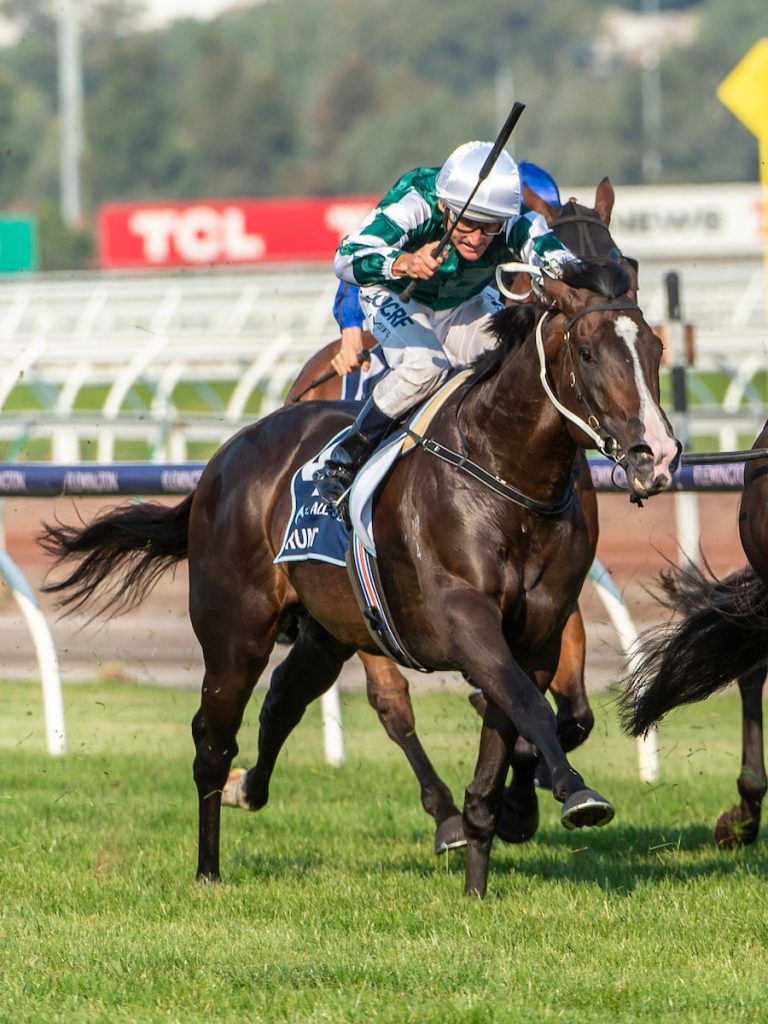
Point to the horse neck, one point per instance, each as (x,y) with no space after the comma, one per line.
(515,429)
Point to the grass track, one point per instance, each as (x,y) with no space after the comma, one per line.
(334,909)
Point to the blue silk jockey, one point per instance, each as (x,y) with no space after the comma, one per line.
(444,325)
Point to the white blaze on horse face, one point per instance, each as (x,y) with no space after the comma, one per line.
(656,432)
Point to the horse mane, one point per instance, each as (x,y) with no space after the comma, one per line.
(603,276)
(510,327)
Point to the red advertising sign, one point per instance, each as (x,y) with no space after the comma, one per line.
(226,231)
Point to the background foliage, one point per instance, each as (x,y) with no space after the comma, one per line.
(330,96)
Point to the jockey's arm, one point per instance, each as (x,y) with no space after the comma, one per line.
(348,356)
(531,237)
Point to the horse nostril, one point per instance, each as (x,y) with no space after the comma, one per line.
(640,452)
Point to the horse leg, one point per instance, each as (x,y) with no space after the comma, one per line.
(519,815)
(388,695)
(225,693)
(575,718)
(311,667)
(482,797)
(740,825)
(506,685)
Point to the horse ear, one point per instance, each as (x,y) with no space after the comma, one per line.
(565,298)
(631,267)
(535,202)
(604,199)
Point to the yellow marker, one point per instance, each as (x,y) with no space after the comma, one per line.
(745,93)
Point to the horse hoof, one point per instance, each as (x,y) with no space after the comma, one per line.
(586,808)
(732,830)
(449,834)
(515,825)
(233,793)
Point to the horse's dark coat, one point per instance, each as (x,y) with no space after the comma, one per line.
(475,582)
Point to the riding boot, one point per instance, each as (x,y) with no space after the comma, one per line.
(335,478)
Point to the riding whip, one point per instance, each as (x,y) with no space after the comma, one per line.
(362,358)
(512,118)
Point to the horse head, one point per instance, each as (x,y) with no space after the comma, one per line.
(604,358)
(584,230)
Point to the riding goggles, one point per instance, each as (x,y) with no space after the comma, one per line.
(465,226)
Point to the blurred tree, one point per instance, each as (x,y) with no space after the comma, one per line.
(30,16)
(350,93)
(98,18)
(130,133)
(326,96)
(62,247)
(239,127)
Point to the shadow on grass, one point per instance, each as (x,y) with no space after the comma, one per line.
(617,859)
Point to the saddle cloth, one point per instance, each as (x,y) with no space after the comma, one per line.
(314,533)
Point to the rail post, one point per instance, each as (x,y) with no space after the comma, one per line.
(686,502)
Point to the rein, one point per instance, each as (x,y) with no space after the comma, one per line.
(493,483)
(604,442)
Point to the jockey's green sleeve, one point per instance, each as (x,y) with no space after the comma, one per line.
(408,217)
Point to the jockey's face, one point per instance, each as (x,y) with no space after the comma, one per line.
(470,238)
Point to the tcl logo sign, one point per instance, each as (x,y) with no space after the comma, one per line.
(226,232)
(197,235)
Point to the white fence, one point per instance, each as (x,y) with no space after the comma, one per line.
(131,339)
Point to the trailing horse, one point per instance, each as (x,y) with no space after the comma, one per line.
(721,635)
(480,574)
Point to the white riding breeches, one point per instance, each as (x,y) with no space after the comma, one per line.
(422,345)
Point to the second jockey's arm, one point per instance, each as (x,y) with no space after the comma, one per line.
(348,356)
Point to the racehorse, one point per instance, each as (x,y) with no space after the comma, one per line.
(722,636)
(586,232)
(484,588)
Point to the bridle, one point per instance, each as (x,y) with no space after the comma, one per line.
(570,214)
(605,442)
(590,425)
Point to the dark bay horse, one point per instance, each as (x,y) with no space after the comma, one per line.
(485,587)
(585,230)
(722,635)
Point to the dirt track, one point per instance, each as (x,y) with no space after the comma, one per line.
(156,643)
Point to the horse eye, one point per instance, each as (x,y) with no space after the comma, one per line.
(584,354)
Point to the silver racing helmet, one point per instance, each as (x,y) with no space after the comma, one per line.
(498,197)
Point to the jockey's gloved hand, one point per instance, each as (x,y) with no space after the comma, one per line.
(552,267)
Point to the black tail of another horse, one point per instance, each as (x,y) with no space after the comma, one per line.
(120,554)
(723,634)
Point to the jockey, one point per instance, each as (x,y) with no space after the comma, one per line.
(346,303)
(443,326)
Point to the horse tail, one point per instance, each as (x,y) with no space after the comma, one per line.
(722,635)
(120,554)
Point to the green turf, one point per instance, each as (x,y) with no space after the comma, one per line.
(333,907)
